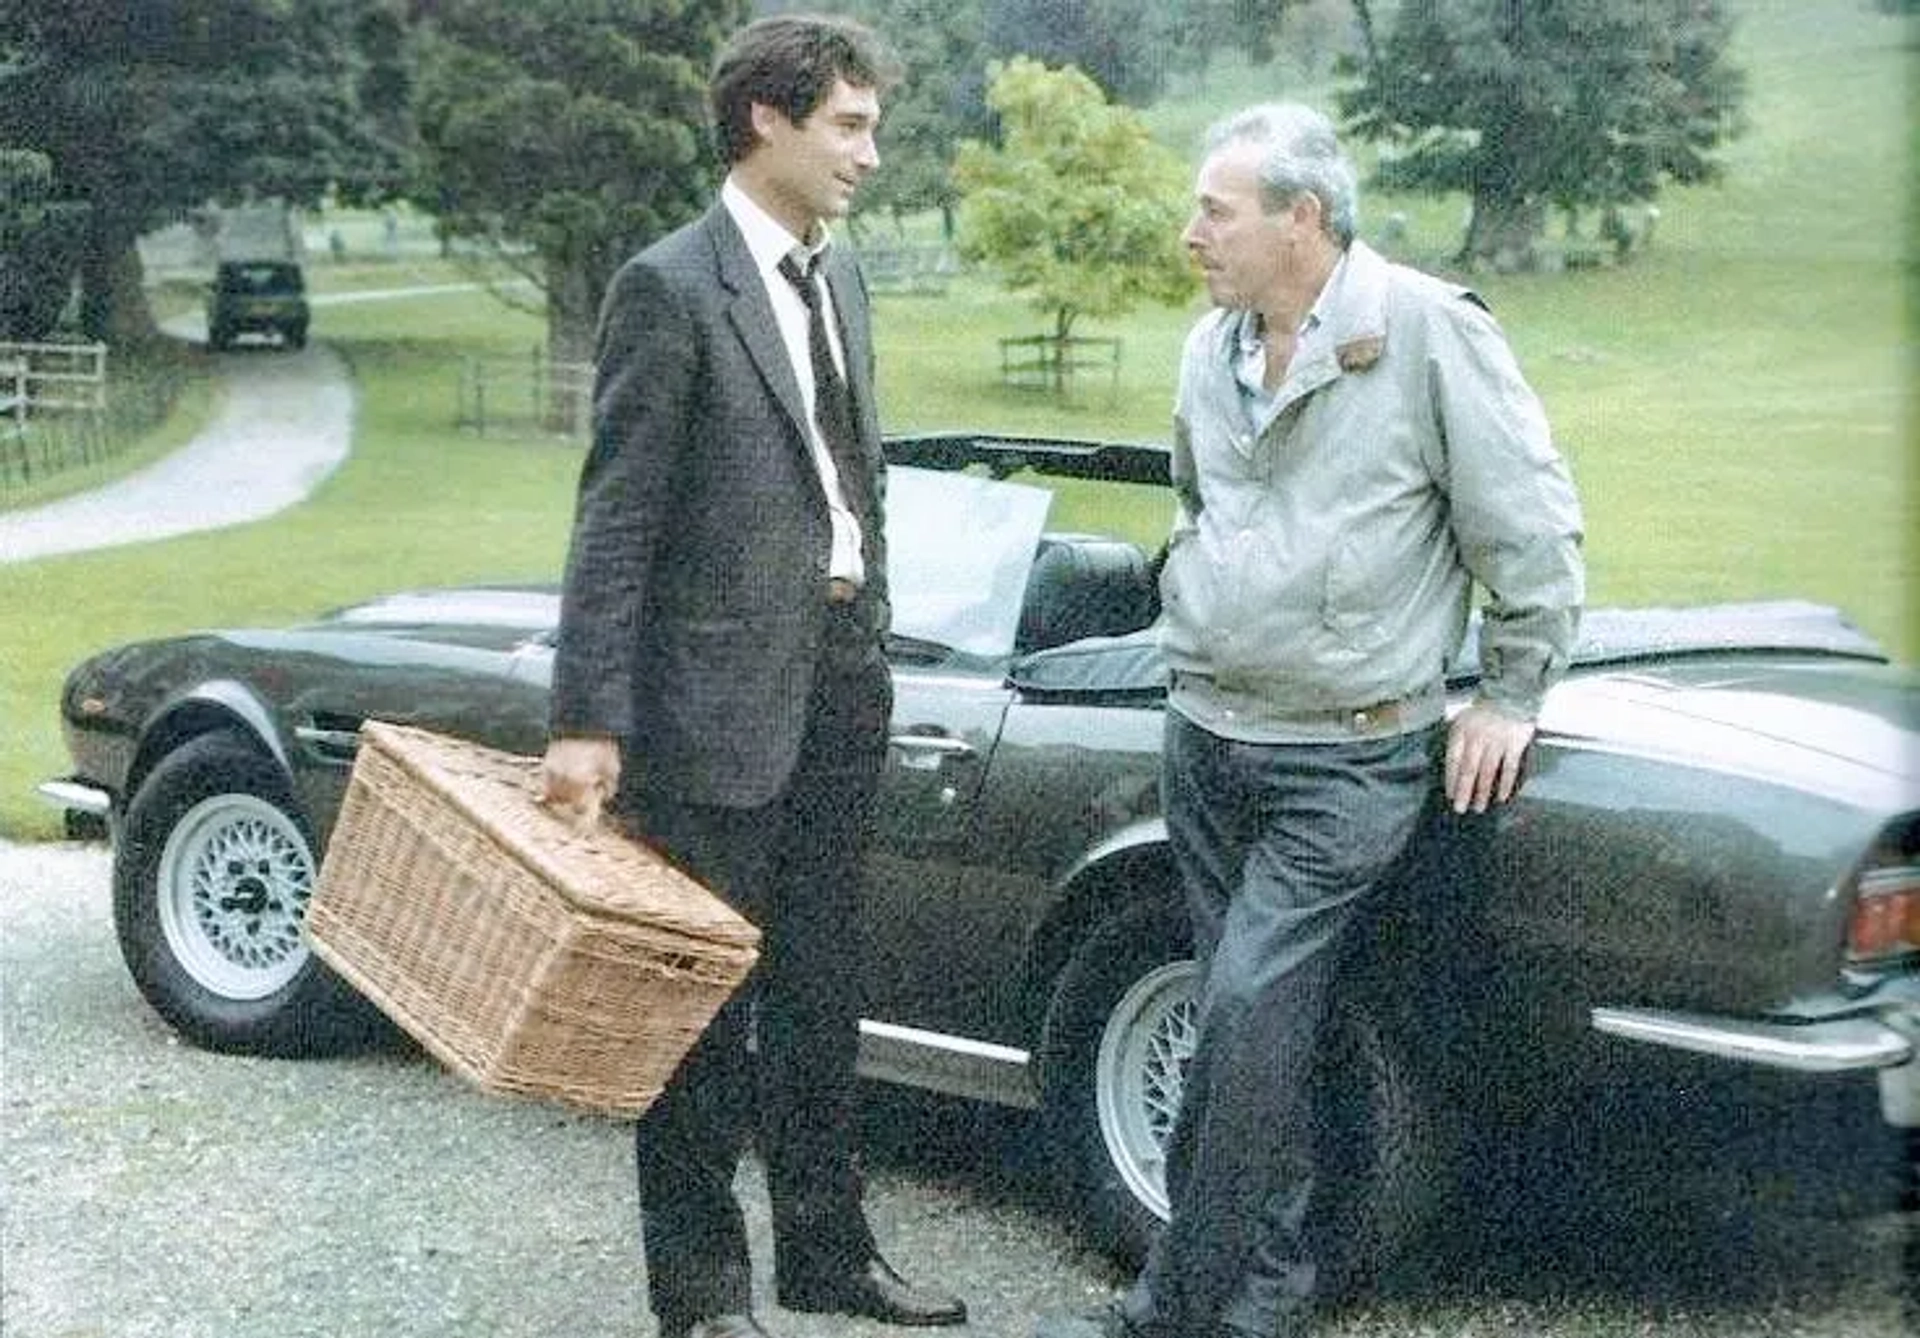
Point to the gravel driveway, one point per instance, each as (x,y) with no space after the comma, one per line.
(157,1191)
(284,423)
(152,1190)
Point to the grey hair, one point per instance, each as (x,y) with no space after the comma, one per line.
(1299,153)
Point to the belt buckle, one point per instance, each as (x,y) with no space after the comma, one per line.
(1381,715)
(841,591)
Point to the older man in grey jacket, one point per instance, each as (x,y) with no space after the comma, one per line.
(1355,449)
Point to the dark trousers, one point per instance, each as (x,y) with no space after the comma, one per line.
(1278,848)
(792,868)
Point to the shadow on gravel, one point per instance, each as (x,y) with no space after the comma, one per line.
(1765,1197)
(1700,1200)
(1736,1198)
(992,1153)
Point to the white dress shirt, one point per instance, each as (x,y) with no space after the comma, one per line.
(770,243)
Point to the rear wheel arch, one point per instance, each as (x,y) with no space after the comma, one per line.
(1110,1062)
(1140,875)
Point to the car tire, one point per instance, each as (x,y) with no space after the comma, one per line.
(1118,1034)
(1388,1158)
(211,877)
(297,337)
(219,338)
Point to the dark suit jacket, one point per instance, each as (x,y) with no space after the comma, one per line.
(694,606)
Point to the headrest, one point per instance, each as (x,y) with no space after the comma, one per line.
(1085,586)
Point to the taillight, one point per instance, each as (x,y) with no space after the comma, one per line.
(1886,914)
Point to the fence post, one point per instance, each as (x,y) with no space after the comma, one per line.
(13,402)
(99,352)
(536,394)
(537,381)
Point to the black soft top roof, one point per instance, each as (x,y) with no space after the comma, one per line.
(1132,664)
(1003,456)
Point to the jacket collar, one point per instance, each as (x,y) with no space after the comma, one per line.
(1347,328)
(767,239)
(739,266)
(1353,308)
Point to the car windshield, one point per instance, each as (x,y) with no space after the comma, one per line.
(959,549)
(260,278)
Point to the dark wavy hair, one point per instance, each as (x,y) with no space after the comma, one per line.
(790,62)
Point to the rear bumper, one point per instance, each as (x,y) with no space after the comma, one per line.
(1883,1039)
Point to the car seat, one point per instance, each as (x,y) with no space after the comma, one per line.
(1084,585)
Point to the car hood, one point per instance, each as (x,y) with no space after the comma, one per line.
(1845,728)
(501,618)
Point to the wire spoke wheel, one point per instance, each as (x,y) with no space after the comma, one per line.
(234,881)
(1140,1073)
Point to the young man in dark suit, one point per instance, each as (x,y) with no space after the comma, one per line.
(720,678)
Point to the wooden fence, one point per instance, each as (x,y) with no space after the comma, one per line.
(57,376)
(519,395)
(908,268)
(1053,364)
(13,401)
(53,408)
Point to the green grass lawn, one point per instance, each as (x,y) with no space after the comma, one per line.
(1733,402)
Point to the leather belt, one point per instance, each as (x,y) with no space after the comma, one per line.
(841,591)
(1379,718)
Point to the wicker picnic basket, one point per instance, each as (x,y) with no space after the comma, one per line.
(527,956)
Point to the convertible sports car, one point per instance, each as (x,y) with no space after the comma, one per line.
(1717,851)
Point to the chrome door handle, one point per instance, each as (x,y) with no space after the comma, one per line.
(925,752)
(339,744)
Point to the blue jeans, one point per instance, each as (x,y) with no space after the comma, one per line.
(1278,847)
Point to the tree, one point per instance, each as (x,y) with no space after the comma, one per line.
(1129,47)
(566,136)
(1249,26)
(1126,46)
(1568,104)
(1076,206)
(36,246)
(940,101)
(149,108)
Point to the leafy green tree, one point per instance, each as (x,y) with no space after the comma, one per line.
(1567,104)
(1126,46)
(1249,26)
(1076,206)
(941,101)
(149,108)
(1129,47)
(567,135)
(36,246)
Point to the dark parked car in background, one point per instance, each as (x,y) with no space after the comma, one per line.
(260,297)
(1716,857)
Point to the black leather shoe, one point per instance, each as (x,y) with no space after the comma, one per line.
(874,1291)
(722,1326)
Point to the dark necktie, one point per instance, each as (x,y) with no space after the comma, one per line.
(832,402)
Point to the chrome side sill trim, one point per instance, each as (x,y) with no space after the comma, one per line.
(1837,1045)
(76,797)
(951,1065)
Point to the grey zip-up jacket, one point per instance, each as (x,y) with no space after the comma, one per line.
(1323,560)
